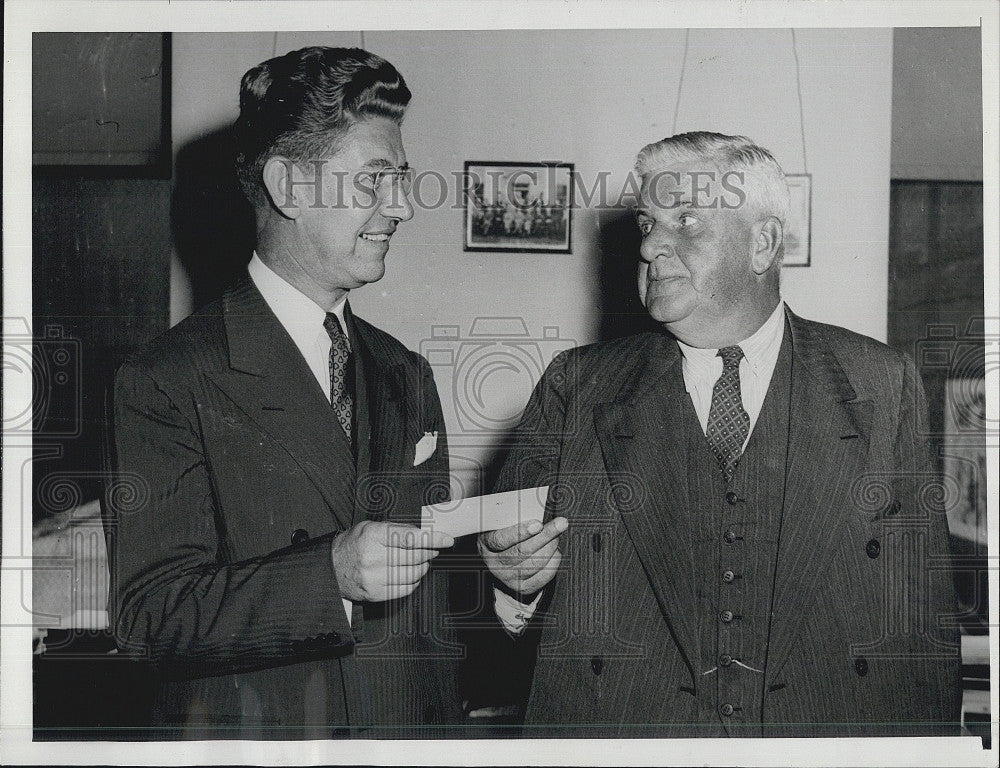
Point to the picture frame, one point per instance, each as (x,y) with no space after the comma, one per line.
(518,207)
(964,453)
(115,122)
(798,225)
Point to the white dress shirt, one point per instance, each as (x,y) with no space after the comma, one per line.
(701,368)
(303,319)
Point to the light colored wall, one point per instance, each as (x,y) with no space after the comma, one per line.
(937,104)
(594,98)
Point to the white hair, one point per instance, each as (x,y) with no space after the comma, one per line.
(763,180)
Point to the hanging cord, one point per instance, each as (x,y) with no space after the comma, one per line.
(680,83)
(362,45)
(274,45)
(802,117)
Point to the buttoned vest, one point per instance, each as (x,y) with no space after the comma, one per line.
(736,529)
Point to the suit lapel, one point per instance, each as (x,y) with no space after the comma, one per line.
(642,443)
(387,406)
(827,450)
(362,416)
(269,380)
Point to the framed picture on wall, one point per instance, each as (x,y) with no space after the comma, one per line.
(115,119)
(518,207)
(965,431)
(799,223)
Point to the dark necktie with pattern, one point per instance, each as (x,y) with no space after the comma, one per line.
(340,354)
(728,423)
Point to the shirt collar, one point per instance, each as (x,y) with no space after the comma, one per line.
(757,348)
(294,310)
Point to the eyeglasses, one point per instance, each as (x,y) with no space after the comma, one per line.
(390,178)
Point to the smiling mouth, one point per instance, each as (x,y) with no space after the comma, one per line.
(376,237)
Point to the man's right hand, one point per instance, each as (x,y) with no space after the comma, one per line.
(383,561)
(524,557)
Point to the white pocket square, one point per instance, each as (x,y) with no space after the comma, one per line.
(425,448)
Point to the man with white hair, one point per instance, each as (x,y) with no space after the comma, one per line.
(742,533)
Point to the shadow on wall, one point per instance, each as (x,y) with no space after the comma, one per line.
(212,223)
(622,314)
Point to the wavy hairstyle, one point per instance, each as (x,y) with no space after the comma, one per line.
(301,104)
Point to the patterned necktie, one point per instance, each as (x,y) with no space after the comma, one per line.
(728,423)
(340,353)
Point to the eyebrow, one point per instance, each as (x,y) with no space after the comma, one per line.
(682,203)
(381,163)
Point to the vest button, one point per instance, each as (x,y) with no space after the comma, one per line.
(872,548)
(729,536)
(299,536)
(732,498)
(596,665)
(727,710)
(861,666)
(595,542)
(728,576)
(726,616)
(725,660)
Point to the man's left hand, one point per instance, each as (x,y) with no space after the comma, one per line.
(524,557)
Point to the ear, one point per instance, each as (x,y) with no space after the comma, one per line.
(279,175)
(768,245)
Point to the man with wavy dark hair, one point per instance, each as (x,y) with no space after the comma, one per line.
(275,573)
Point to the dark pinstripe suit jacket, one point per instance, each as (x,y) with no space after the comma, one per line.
(221,571)
(620,626)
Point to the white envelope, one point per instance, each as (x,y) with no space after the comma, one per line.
(485,513)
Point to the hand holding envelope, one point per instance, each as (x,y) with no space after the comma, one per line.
(524,557)
(521,552)
(376,561)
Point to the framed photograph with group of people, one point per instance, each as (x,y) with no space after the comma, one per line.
(516,207)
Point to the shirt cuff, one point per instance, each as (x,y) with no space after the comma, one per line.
(513,614)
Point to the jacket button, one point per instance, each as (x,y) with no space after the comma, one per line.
(595,542)
(861,666)
(597,664)
(299,536)
(729,537)
(872,548)
(725,660)
(728,576)
(732,498)
(727,710)
(726,616)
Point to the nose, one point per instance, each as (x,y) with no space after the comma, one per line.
(654,247)
(395,203)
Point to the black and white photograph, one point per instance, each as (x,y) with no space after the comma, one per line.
(518,207)
(476,384)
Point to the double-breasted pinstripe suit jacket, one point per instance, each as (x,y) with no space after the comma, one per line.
(861,638)
(221,566)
